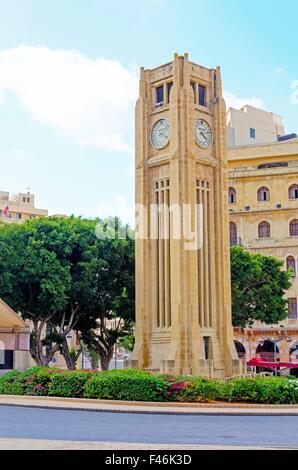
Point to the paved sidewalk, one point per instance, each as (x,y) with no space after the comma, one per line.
(81,404)
(39,444)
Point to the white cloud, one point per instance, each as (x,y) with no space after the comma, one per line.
(88,100)
(279,70)
(237,102)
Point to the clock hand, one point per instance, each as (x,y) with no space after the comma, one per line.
(162,132)
(204,135)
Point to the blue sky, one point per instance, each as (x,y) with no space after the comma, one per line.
(68,82)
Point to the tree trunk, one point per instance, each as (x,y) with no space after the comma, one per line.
(37,348)
(105,358)
(70,359)
(70,362)
(94,361)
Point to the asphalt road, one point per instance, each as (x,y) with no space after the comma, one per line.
(263,431)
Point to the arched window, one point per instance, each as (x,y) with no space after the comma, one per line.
(264,230)
(294,228)
(233,234)
(292,308)
(240,349)
(232,196)
(293,351)
(291,263)
(268,350)
(263,194)
(293,191)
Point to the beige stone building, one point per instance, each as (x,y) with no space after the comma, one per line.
(253,126)
(263,207)
(183,298)
(19,207)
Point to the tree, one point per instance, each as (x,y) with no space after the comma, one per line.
(111,297)
(258,288)
(58,274)
(41,267)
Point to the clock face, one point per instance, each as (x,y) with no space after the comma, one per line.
(203,134)
(160,134)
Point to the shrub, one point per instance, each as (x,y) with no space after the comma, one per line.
(143,386)
(270,390)
(126,385)
(36,380)
(200,389)
(69,384)
(10,384)
(175,386)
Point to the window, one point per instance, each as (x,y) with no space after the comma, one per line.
(272,165)
(233,234)
(202,95)
(28,199)
(292,308)
(252,133)
(240,349)
(294,228)
(18,215)
(293,191)
(159,95)
(264,230)
(206,346)
(263,194)
(232,196)
(169,88)
(291,264)
(32,216)
(193,85)
(6,359)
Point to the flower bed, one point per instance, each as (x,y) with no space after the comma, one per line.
(135,385)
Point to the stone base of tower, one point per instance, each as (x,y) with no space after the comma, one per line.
(165,358)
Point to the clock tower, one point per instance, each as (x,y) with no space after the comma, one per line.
(183,292)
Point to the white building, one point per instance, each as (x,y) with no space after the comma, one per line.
(253,126)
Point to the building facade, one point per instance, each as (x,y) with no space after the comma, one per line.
(183,297)
(263,208)
(253,126)
(19,207)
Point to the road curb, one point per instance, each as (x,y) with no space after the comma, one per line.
(105,406)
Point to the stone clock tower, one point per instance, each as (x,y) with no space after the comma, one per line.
(183,295)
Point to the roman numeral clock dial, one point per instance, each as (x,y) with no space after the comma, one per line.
(160,134)
(203,134)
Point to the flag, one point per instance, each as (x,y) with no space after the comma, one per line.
(5,210)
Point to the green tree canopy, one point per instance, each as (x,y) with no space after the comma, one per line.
(258,288)
(58,274)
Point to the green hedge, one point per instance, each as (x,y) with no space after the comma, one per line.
(10,384)
(69,384)
(269,390)
(126,385)
(34,381)
(137,385)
